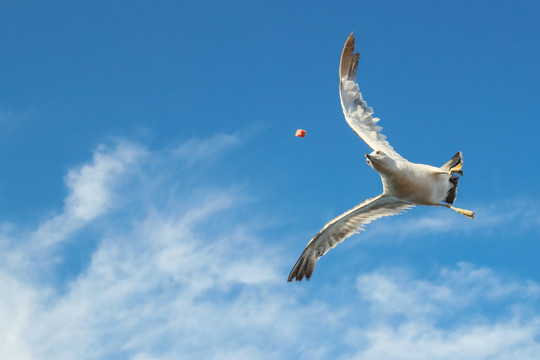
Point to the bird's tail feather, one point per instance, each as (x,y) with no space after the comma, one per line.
(454,166)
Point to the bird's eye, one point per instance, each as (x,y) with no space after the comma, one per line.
(379,152)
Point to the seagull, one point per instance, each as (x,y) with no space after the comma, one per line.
(405,184)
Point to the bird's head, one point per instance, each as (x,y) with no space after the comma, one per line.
(379,161)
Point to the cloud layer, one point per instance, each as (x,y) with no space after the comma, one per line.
(173,272)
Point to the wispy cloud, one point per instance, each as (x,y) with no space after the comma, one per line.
(505,340)
(92,189)
(521,214)
(90,186)
(196,150)
(195,280)
(451,291)
(408,316)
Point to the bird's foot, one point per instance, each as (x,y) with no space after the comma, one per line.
(467,213)
(458,169)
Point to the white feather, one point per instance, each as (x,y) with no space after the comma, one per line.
(358,116)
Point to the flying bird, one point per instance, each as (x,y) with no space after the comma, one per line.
(405,184)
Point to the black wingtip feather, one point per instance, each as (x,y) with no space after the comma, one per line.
(304,267)
(349,60)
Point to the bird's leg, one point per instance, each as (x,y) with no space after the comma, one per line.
(467,213)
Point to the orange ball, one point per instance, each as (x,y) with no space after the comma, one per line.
(300,133)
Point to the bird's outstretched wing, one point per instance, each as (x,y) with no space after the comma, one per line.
(356,111)
(341,228)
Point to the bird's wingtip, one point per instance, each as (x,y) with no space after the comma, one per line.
(304,266)
(349,60)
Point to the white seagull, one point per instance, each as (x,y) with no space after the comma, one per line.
(405,184)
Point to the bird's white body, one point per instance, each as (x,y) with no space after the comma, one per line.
(405,184)
(417,184)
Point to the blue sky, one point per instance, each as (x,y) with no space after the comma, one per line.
(154,198)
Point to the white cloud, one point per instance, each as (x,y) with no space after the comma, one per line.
(196,150)
(520,214)
(92,188)
(17,305)
(506,340)
(406,314)
(192,279)
(396,292)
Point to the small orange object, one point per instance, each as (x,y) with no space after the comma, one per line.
(300,133)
